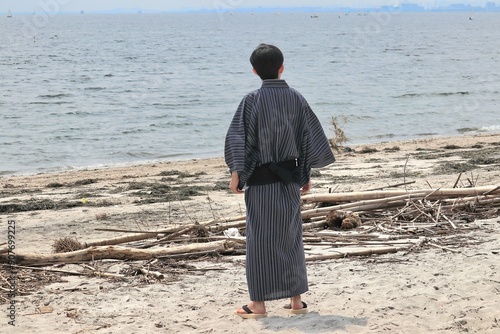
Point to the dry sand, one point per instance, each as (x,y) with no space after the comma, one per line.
(429,290)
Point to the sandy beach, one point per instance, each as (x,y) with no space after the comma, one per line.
(449,289)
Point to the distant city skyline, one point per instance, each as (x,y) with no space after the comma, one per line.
(59,6)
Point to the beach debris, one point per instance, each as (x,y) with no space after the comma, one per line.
(72,313)
(398,214)
(343,220)
(335,225)
(340,139)
(232,232)
(66,244)
(42,310)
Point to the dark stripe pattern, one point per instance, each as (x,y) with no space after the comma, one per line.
(272,124)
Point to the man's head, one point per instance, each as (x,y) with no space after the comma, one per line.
(267,61)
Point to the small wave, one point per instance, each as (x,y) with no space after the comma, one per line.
(414,114)
(54,96)
(465,130)
(95,88)
(427,134)
(173,124)
(77,113)
(363,117)
(452,93)
(127,132)
(338,103)
(58,102)
(409,95)
(145,155)
(11,143)
(387,135)
(173,105)
(7,172)
(490,128)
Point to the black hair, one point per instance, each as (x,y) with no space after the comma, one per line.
(267,59)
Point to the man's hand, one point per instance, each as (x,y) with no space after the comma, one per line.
(305,189)
(233,183)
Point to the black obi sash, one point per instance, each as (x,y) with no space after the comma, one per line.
(283,171)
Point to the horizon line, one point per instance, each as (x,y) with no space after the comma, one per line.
(409,7)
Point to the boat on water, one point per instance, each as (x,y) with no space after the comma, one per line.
(9,14)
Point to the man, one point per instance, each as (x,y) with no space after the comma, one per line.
(272,143)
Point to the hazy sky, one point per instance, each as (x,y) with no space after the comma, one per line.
(90,5)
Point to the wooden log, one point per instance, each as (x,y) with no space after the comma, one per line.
(116,252)
(204,224)
(492,190)
(119,240)
(363,252)
(47,269)
(209,238)
(391,186)
(199,254)
(369,195)
(464,201)
(309,226)
(152,234)
(124,231)
(382,203)
(176,234)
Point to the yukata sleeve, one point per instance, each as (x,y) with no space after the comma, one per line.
(234,147)
(316,151)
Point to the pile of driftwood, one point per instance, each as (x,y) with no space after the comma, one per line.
(335,225)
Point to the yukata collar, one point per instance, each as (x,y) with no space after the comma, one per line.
(274,83)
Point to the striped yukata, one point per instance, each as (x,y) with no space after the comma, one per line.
(275,124)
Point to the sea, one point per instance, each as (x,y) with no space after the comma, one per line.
(97,90)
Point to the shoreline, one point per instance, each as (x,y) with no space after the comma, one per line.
(131,164)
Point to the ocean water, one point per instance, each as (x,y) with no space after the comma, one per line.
(91,90)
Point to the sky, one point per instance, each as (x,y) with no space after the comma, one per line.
(54,6)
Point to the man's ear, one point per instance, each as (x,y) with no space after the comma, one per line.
(282,68)
(255,71)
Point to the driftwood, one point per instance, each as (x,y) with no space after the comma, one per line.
(117,252)
(362,252)
(152,234)
(363,205)
(430,193)
(67,272)
(392,186)
(426,216)
(393,220)
(360,202)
